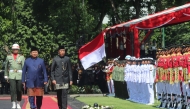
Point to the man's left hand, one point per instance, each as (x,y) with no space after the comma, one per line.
(45,82)
(71,82)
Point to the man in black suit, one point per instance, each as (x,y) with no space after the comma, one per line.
(61,72)
(48,74)
(75,75)
(4,83)
(100,78)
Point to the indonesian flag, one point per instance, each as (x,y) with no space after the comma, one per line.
(93,52)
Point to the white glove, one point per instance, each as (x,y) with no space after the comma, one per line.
(6,77)
(116,58)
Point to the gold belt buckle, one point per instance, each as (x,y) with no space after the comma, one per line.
(15,70)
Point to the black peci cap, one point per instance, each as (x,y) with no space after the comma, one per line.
(34,49)
(61,47)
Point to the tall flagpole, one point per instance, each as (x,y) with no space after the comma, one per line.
(163,38)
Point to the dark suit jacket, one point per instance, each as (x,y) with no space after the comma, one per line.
(2,79)
(61,70)
(75,77)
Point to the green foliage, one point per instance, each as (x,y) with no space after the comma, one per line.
(117,103)
(45,24)
(84,90)
(49,23)
(178,34)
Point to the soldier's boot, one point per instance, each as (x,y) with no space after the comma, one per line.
(13,105)
(18,105)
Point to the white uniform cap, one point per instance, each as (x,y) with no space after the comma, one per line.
(127,57)
(15,46)
(133,58)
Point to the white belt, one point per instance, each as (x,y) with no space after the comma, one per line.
(19,71)
(180,68)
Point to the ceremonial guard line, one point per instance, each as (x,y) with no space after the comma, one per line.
(170,74)
(139,75)
(132,79)
(172,77)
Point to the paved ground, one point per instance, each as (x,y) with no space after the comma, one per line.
(5,102)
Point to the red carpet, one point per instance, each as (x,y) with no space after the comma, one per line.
(49,102)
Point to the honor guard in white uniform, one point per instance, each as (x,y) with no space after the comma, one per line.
(128,78)
(138,78)
(151,81)
(127,74)
(143,80)
(133,79)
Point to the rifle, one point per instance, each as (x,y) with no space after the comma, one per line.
(7,49)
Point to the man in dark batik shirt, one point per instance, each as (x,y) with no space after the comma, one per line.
(61,72)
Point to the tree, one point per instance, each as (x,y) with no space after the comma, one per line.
(46,24)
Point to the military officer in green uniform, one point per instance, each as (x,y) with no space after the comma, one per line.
(13,74)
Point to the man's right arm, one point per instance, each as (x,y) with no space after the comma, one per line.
(24,70)
(6,68)
(53,70)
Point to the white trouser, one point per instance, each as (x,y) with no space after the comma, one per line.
(168,88)
(184,88)
(144,93)
(177,88)
(138,96)
(135,90)
(131,91)
(129,86)
(141,93)
(111,86)
(147,93)
(188,89)
(159,87)
(164,87)
(151,93)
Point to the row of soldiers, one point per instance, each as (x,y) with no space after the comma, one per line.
(139,76)
(172,77)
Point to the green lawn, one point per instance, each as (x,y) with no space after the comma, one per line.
(116,103)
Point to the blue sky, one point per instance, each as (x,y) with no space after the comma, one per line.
(105,21)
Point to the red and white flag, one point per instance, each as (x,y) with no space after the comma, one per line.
(93,52)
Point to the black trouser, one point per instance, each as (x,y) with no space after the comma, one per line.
(15,89)
(120,89)
(102,84)
(38,102)
(4,87)
(62,98)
